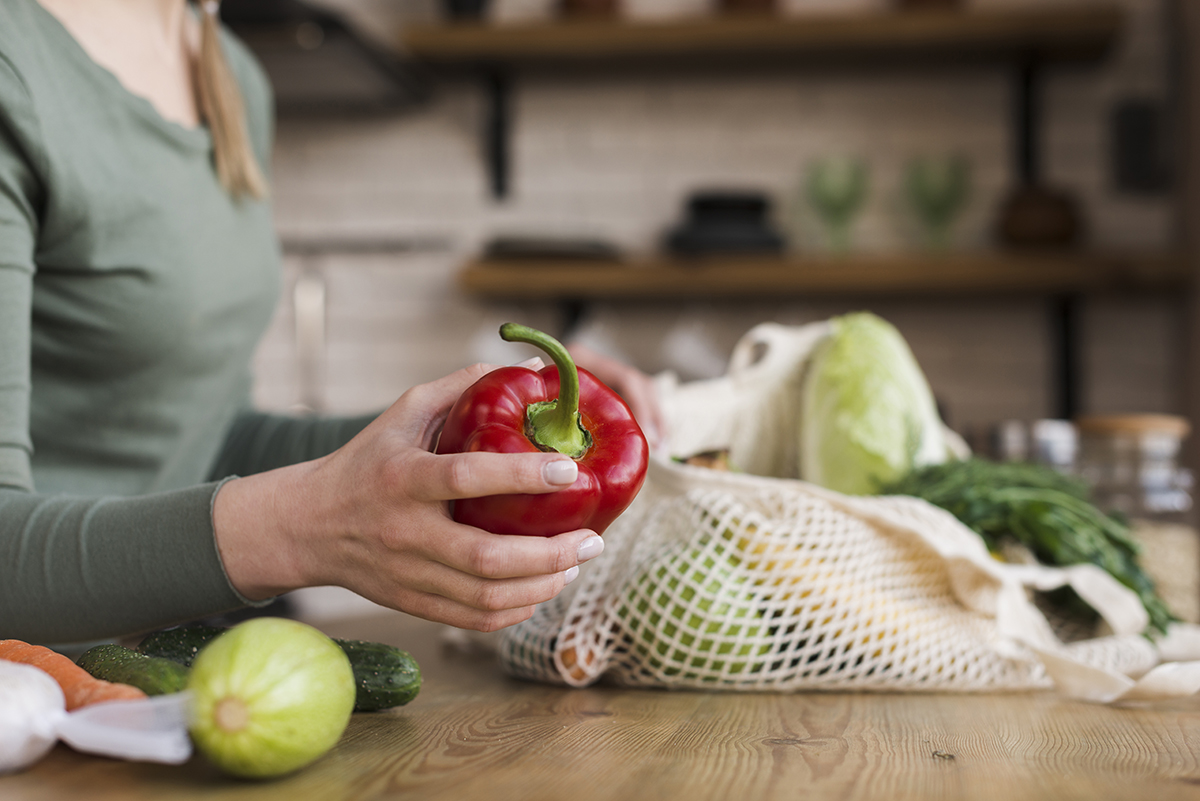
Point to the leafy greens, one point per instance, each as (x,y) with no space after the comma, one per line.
(1047,512)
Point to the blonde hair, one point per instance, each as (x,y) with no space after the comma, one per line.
(222,108)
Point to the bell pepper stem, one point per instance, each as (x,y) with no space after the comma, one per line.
(553,425)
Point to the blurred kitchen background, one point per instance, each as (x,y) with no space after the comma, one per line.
(1001,179)
(382,209)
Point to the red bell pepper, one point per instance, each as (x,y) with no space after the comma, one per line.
(560,408)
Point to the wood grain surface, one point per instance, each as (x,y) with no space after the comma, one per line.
(1051,33)
(474,733)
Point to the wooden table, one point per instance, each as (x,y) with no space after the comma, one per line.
(474,733)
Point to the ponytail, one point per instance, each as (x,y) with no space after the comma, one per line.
(222,108)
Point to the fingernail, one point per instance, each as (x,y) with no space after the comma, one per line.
(571,573)
(534,363)
(590,548)
(561,471)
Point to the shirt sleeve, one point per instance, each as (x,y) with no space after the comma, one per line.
(76,569)
(258,441)
(79,569)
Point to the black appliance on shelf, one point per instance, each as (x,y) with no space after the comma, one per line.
(726,223)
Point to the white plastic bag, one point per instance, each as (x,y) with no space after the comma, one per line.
(154,729)
(33,718)
(30,705)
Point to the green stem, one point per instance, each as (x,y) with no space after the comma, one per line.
(553,425)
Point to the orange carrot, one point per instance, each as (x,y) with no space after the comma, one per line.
(79,687)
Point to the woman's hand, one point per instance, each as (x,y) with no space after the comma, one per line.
(632,384)
(373,517)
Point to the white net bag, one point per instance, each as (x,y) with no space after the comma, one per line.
(727,580)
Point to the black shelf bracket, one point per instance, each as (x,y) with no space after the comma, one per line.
(497,129)
(1065,310)
(1027,121)
(1066,360)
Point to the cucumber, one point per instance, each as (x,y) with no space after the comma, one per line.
(179,645)
(151,675)
(384,676)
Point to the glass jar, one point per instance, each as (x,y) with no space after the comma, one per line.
(1055,443)
(1050,442)
(1130,461)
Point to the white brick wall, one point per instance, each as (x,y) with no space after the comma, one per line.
(614,156)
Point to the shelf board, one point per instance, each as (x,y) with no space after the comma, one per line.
(1056,34)
(810,276)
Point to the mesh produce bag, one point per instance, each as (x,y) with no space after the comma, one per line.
(729,580)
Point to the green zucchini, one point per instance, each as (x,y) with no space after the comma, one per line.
(151,675)
(385,676)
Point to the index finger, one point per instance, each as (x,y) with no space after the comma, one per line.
(423,408)
(450,476)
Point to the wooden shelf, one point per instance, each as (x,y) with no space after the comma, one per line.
(1046,34)
(1026,38)
(810,276)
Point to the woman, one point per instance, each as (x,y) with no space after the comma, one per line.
(138,269)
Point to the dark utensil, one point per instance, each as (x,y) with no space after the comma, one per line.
(749,6)
(464,10)
(589,9)
(540,248)
(929,5)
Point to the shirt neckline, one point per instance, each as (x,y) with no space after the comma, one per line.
(198,137)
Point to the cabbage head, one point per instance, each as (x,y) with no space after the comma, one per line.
(868,415)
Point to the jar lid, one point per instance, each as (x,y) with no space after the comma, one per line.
(1137,424)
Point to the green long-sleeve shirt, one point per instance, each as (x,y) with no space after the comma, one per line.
(133,291)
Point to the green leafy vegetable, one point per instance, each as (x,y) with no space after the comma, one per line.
(868,415)
(1044,510)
